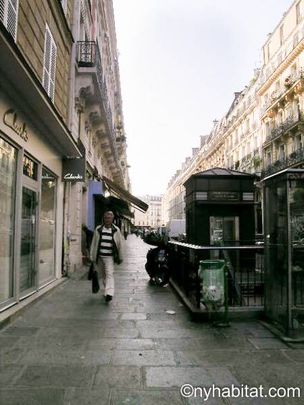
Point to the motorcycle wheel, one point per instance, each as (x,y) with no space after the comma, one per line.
(161,279)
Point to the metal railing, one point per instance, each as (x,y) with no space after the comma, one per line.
(245,268)
(88,56)
(86,53)
(294,158)
(283,127)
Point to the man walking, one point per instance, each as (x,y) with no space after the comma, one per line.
(105,250)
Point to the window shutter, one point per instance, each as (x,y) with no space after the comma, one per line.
(12,17)
(49,64)
(2,11)
(53,70)
(9,15)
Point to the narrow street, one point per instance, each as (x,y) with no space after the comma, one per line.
(72,348)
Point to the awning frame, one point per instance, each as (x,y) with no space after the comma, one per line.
(125,195)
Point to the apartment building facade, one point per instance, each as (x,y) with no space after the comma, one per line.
(281,93)
(96,119)
(262,131)
(153,217)
(35,48)
(62,139)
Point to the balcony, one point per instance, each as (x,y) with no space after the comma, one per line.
(293,84)
(93,87)
(294,159)
(86,53)
(88,57)
(290,123)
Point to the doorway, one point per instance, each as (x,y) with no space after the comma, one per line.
(28,245)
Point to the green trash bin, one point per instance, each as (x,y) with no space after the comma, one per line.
(212,275)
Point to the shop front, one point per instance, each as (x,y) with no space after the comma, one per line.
(33,144)
(30,197)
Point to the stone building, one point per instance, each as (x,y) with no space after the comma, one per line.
(281,88)
(262,131)
(96,119)
(62,139)
(153,217)
(35,47)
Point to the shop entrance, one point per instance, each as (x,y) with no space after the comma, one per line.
(29,214)
(28,240)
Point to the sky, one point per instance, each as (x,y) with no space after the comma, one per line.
(180,63)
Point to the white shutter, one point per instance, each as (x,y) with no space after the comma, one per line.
(9,15)
(49,64)
(53,70)
(2,11)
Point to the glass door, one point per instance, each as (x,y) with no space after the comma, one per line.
(8,170)
(28,240)
(47,225)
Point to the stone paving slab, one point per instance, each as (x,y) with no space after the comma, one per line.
(56,376)
(32,396)
(118,377)
(138,397)
(143,357)
(72,348)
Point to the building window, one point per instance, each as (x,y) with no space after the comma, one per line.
(49,64)
(9,15)
(282,152)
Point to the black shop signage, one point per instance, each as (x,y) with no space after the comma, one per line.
(73,169)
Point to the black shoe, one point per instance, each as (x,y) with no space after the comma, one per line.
(108,298)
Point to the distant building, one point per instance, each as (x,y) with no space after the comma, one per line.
(153,218)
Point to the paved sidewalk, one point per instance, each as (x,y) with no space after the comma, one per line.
(72,348)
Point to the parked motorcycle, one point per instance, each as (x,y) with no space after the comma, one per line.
(157,265)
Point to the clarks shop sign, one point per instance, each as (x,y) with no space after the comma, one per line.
(11,120)
(73,169)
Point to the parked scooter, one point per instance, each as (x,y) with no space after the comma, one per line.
(157,265)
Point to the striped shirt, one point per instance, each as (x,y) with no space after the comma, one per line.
(106,242)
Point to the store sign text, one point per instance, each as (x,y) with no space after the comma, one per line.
(10,119)
(74,169)
(73,177)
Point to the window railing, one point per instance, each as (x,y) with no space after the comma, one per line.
(294,158)
(88,56)
(283,127)
(86,53)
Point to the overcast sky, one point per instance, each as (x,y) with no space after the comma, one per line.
(180,63)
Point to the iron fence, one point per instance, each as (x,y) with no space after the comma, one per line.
(245,266)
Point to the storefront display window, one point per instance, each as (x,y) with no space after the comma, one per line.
(47,228)
(8,163)
(284,248)
(296,199)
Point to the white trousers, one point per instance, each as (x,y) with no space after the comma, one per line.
(105,269)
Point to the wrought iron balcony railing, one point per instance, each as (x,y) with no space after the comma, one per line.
(86,53)
(293,159)
(284,127)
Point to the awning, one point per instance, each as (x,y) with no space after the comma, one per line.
(118,206)
(125,195)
